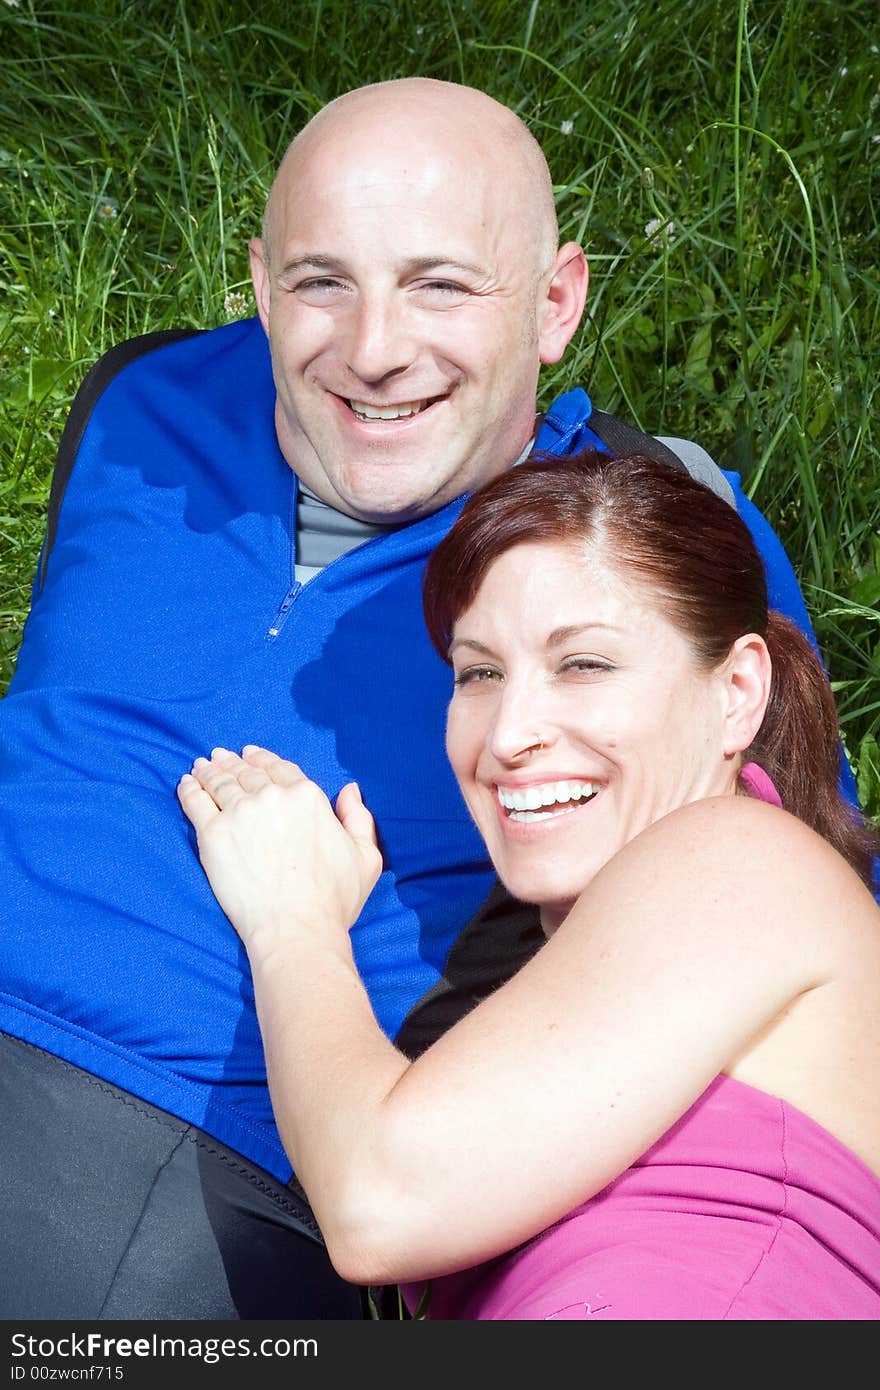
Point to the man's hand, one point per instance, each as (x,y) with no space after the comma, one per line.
(278,858)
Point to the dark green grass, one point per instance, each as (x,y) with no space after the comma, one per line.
(137,143)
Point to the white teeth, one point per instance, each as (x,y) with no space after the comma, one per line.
(530,799)
(386,412)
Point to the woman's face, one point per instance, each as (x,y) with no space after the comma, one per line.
(579,717)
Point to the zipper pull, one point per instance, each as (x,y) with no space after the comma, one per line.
(281,615)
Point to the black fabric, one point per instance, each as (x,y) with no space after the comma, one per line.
(623,439)
(94,383)
(491,948)
(114,1209)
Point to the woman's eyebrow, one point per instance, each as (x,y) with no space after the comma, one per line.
(565,634)
(556,638)
(468,642)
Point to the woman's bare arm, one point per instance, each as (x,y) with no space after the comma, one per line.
(674,957)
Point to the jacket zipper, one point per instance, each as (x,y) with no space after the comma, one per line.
(286,605)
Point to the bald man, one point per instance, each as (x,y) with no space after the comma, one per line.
(411,287)
(238,527)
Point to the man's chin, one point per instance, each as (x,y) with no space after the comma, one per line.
(380,508)
(394,491)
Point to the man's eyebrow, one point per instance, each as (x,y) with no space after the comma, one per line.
(416,265)
(423,265)
(312,262)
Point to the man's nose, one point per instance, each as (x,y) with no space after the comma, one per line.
(380,342)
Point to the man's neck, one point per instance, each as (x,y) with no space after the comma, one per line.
(323,533)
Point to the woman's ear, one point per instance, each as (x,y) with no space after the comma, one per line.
(746,676)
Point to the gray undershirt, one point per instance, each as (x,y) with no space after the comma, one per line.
(323,533)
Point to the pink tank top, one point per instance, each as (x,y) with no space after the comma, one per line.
(746,1209)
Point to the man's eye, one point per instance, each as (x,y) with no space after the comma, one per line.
(320,287)
(441,291)
(476,675)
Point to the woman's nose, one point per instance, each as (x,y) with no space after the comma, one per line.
(517,732)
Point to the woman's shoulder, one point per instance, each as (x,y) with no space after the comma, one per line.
(717,828)
(729,859)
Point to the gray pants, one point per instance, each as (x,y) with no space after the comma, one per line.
(112,1208)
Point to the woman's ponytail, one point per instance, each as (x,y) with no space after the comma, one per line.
(798,745)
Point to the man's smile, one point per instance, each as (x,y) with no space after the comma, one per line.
(364,411)
(373,413)
(381,420)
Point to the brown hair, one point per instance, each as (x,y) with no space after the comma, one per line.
(697,558)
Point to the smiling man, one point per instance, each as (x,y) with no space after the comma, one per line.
(411,287)
(238,529)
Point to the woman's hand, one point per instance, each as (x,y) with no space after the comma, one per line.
(276,855)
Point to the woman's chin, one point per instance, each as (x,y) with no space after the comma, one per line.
(553,899)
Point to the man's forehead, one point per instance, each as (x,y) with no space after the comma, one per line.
(425,211)
(364,170)
(416,156)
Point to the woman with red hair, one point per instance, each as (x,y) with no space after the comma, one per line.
(672,1111)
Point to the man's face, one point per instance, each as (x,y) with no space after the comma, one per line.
(405,308)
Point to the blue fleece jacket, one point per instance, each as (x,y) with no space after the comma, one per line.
(170,621)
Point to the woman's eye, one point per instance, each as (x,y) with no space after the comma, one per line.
(476,675)
(586,665)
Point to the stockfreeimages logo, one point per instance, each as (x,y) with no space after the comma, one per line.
(104,1353)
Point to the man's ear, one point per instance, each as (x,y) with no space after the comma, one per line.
(746,677)
(560,311)
(260,278)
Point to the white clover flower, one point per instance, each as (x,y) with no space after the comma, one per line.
(566,127)
(657,231)
(107,209)
(235,304)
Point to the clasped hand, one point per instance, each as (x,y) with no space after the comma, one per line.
(277,855)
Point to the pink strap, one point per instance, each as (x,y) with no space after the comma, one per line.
(759,784)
